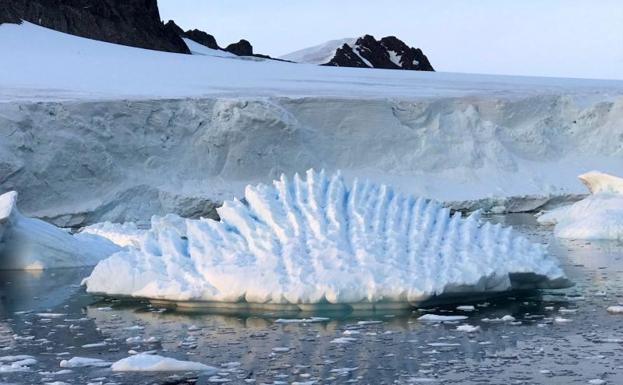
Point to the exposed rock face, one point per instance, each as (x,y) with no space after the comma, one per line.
(389,53)
(242,48)
(202,38)
(129,22)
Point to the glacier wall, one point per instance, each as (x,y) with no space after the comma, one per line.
(80,162)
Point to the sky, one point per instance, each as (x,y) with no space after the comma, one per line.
(562,38)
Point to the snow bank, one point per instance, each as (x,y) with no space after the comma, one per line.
(27,243)
(319,241)
(598,216)
(155,363)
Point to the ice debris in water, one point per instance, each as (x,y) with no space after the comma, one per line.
(155,363)
(598,216)
(30,244)
(320,241)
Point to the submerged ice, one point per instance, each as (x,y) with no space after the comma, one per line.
(598,216)
(318,240)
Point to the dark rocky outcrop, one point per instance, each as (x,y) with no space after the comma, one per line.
(242,48)
(202,38)
(388,53)
(134,23)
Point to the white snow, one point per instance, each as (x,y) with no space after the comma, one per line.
(32,244)
(318,54)
(121,234)
(200,49)
(598,216)
(46,64)
(314,240)
(155,363)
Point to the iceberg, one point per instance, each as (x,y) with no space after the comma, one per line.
(598,216)
(32,244)
(314,242)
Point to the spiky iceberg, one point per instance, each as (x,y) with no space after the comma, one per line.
(598,216)
(319,241)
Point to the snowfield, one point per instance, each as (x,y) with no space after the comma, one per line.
(319,241)
(598,216)
(94,132)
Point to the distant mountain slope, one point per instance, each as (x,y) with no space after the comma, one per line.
(364,52)
(318,54)
(134,23)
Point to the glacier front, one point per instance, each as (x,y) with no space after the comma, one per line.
(318,241)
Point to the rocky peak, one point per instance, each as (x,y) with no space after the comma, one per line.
(242,48)
(388,53)
(128,22)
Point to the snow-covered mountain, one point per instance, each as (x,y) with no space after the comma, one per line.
(318,54)
(364,52)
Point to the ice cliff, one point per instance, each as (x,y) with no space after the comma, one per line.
(598,216)
(320,240)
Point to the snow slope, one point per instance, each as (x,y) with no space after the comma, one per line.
(319,240)
(93,132)
(598,216)
(318,54)
(31,244)
(49,65)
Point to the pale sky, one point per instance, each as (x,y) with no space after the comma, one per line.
(565,38)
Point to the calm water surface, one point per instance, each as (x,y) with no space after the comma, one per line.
(558,337)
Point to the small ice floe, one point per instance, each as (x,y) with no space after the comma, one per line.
(343,340)
(441,318)
(561,320)
(19,363)
(301,320)
(281,349)
(365,323)
(50,315)
(597,381)
(466,308)
(81,362)
(142,340)
(155,363)
(467,328)
(32,244)
(345,244)
(95,345)
(343,371)
(616,309)
(506,318)
(598,216)
(442,344)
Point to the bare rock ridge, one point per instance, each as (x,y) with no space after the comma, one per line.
(241,48)
(134,23)
(388,53)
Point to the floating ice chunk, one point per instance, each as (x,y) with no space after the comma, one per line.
(615,309)
(27,243)
(301,320)
(20,363)
(598,216)
(81,362)
(466,308)
(154,363)
(467,328)
(319,241)
(441,318)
